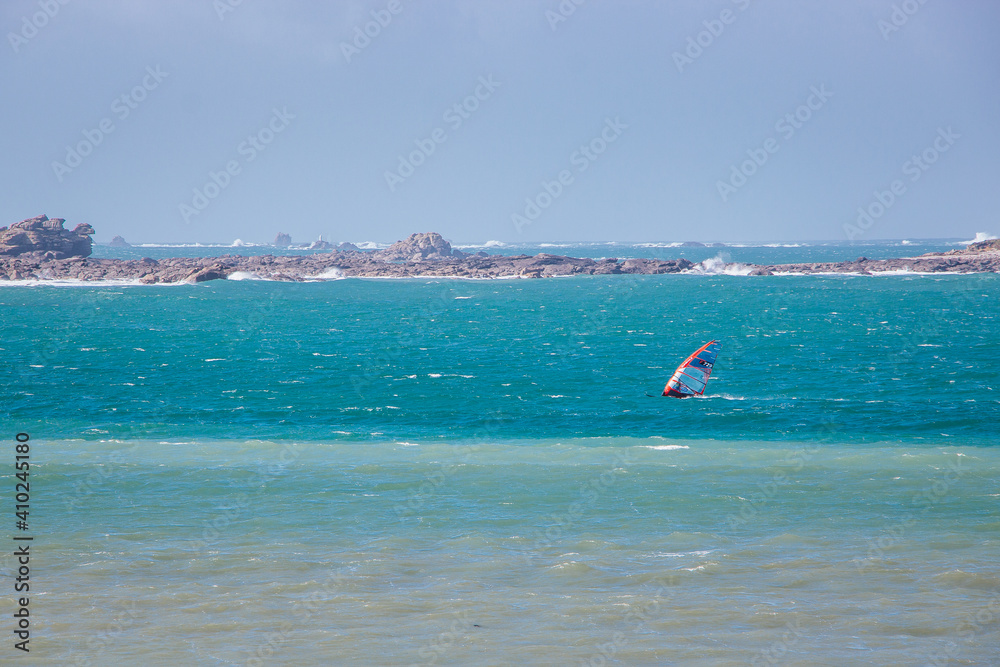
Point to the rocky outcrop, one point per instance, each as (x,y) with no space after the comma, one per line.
(981,246)
(320,244)
(653,266)
(46,238)
(428,247)
(119,242)
(282,240)
(429,256)
(985,261)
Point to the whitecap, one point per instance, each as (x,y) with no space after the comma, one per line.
(980,236)
(332,273)
(243,275)
(715,266)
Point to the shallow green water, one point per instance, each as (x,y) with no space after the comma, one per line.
(459,472)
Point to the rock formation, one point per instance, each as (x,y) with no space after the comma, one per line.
(119,242)
(426,247)
(320,244)
(980,246)
(47,238)
(282,240)
(40,249)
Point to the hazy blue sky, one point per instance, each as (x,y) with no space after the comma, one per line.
(710,120)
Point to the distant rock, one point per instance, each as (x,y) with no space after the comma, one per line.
(36,243)
(347,247)
(426,247)
(320,244)
(46,237)
(656,266)
(984,246)
(692,244)
(119,242)
(282,240)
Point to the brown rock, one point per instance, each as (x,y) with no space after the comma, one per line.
(42,235)
(425,247)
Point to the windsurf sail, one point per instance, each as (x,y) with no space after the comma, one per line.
(691,377)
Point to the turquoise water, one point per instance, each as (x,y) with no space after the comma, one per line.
(470,472)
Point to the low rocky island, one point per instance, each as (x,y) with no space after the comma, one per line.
(41,249)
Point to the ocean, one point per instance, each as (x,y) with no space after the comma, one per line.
(467,472)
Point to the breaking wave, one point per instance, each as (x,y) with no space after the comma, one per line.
(980,236)
(717,266)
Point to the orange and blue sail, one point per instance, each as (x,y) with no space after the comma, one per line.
(691,377)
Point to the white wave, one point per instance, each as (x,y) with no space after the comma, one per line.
(332,273)
(243,275)
(980,236)
(666,447)
(772,245)
(370,245)
(715,266)
(238,243)
(182,245)
(71,282)
(674,244)
(483,246)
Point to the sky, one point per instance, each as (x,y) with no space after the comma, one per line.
(521,121)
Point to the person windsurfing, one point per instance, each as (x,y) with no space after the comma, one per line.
(691,377)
